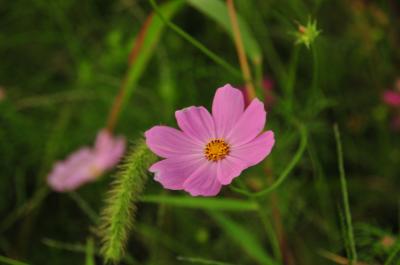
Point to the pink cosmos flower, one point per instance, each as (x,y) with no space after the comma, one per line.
(210,150)
(87,164)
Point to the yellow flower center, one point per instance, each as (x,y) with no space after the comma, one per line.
(216,149)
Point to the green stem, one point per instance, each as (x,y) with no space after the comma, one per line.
(213,56)
(84,206)
(286,171)
(5,260)
(291,78)
(315,75)
(202,261)
(343,185)
(25,209)
(269,230)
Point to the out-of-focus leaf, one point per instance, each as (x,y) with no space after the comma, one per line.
(150,39)
(5,260)
(90,251)
(217,10)
(243,238)
(202,203)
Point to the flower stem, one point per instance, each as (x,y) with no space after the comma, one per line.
(345,197)
(119,99)
(244,65)
(213,56)
(286,171)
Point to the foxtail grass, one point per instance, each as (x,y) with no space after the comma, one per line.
(118,215)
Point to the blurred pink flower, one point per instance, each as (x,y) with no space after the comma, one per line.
(87,164)
(392,98)
(267,85)
(210,150)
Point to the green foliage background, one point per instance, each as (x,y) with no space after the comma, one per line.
(62,63)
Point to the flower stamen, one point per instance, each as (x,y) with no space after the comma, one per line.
(216,149)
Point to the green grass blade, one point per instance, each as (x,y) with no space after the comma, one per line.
(346,204)
(202,203)
(90,252)
(213,56)
(5,260)
(202,261)
(243,238)
(217,11)
(151,38)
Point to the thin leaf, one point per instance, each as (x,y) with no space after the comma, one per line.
(243,238)
(90,252)
(202,203)
(345,195)
(5,260)
(202,261)
(152,35)
(217,10)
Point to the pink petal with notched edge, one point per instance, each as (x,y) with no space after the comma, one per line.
(168,142)
(203,181)
(392,98)
(228,106)
(250,124)
(229,168)
(255,151)
(172,172)
(196,122)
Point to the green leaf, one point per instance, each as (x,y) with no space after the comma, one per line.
(217,10)
(202,203)
(5,260)
(90,251)
(150,39)
(243,238)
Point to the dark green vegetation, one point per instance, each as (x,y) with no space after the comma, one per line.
(61,66)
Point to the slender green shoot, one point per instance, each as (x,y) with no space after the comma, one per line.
(202,261)
(84,206)
(224,204)
(5,260)
(90,252)
(345,197)
(213,56)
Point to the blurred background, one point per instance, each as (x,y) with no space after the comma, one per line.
(63,63)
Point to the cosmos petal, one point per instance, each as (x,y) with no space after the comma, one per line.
(203,182)
(173,172)
(249,125)
(256,150)
(228,106)
(197,123)
(168,142)
(229,168)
